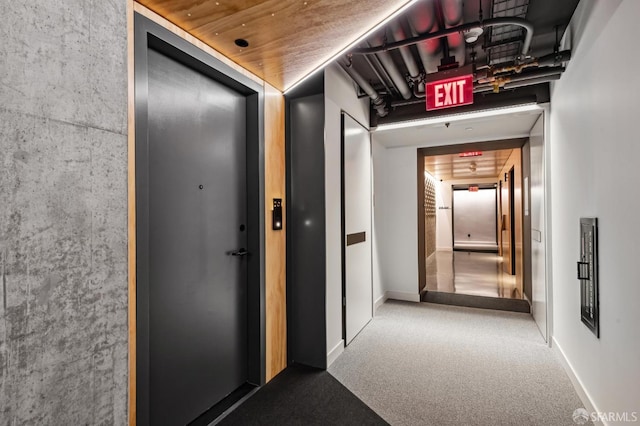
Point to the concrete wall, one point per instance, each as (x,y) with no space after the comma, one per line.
(63,213)
(594,172)
(340,95)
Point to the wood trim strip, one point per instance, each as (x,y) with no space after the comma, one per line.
(131,221)
(358,237)
(275,241)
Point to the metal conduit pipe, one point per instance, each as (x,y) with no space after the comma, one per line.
(521,22)
(384,73)
(521,83)
(543,72)
(378,102)
(405,52)
(485,89)
(452,13)
(392,70)
(422,20)
(375,71)
(510,81)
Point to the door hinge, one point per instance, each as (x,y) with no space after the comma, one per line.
(344,301)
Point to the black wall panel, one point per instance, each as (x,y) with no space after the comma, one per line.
(306,264)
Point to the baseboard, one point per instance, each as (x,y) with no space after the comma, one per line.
(335,352)
(575,381)
(401,295)
(379,302)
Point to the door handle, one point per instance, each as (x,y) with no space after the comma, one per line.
(238,253)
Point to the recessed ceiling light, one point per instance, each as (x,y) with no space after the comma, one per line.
(240,42)
(468,129)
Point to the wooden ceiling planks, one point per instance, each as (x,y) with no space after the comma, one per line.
(288,39)
(454,167)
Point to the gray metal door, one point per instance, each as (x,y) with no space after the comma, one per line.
(197,217)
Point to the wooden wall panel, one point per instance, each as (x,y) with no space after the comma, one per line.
(275,241)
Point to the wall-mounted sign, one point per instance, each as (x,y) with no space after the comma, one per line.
(473,189)
(471,154)
(451,92)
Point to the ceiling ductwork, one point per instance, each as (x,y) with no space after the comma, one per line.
(506,51)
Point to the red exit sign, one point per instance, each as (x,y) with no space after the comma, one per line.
(451,92)
(471,154)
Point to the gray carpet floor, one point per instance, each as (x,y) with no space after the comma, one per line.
(428,364)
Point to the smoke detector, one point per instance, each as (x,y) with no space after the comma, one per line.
(471,35)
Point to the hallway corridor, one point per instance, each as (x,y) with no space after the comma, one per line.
(472,273)
(426,364)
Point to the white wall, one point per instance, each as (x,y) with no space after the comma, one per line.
(377,151)
(594,172)
(396,219)
(340,95)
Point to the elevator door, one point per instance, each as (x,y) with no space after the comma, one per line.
(197,216)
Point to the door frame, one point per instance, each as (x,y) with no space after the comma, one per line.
(421,153)
(148,34)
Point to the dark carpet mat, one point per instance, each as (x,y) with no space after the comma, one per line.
(303,396)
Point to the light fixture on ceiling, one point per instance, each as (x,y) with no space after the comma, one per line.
(494,112)
(351,45)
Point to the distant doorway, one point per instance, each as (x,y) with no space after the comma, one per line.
(478,221)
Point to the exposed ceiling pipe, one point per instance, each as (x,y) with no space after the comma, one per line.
(392,69)
(422,20)
(556,58)
(453,17)
(384,73)
(375,71)
(407,56)
(515,76)
(521,83)
(485,89)
(378,102)
(515,80)
(459,29)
